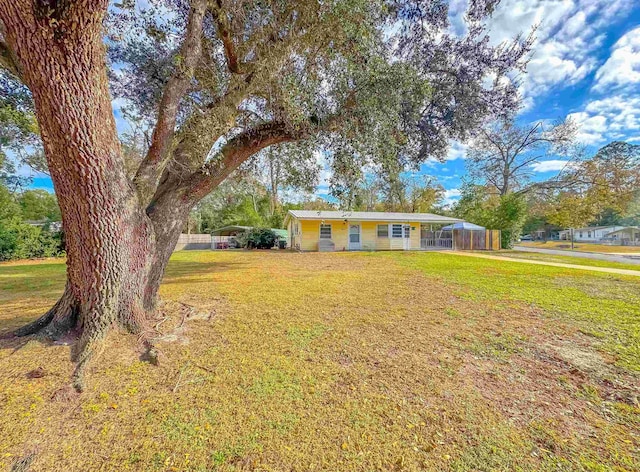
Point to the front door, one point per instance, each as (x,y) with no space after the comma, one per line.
(354,237)
(406,237)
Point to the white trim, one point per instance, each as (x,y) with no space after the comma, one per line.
(406,236)
(320,231)
(358,246)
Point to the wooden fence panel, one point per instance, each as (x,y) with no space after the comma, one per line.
(492,240)
(465,240)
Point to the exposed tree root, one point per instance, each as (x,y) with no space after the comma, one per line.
(59,321)
(86,334)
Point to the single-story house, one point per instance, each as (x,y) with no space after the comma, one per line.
(589,234)
(312,230)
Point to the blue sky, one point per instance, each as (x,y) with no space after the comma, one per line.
(586,65)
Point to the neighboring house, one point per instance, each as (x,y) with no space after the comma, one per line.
(629,235)
(311,230)
(589,234)
(53,226)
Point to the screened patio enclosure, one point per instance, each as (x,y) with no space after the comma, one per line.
(468,236)
(435,237)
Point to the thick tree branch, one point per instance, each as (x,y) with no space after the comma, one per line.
(236,151)
(152,165)
(225,35)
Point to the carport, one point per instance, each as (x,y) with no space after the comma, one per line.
(225,237)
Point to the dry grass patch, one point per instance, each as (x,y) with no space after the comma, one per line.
(322,362)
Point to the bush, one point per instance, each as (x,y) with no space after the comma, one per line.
(509,217)
(260,238)
(19,240)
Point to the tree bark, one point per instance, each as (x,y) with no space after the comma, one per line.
(119,233)
(109,238)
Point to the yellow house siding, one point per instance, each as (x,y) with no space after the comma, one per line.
(369,235)
(415,235)
(310,234)
(339,234)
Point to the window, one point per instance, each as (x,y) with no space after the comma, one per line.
(383,231)
(589,234)
(580,233)
(325,231)
(396,231)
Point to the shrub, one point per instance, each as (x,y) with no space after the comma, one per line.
(260,238)
(19,240)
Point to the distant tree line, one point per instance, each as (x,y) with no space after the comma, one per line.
(28,226)
(602,189)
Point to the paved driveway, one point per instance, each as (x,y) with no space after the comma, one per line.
(631,259)
(609,270)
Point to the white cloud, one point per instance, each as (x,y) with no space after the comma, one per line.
(451,196)
(569,33)
(623,66)
(452,192)
(552,165)
(607,119)
(456,151)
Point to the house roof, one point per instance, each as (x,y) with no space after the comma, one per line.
(464,225)
(593,228)
(370,216)
(625,229)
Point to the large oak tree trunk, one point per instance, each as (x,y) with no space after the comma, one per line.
(119,233)
(109,237)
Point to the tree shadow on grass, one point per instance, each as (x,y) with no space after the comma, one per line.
(186,271)
(48,284)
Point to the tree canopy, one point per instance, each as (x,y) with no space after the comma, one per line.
(382,84)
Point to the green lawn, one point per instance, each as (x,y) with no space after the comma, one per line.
(568,259)
(583,247)
(343,361)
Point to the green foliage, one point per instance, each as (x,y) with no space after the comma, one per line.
(507,213)
(39,205)
(601,190)
(19,240)
(9,208)
(509,218)
(19,134)
(259,238)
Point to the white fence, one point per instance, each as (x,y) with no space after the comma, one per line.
(193,241)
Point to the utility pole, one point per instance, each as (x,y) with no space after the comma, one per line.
(572,239)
